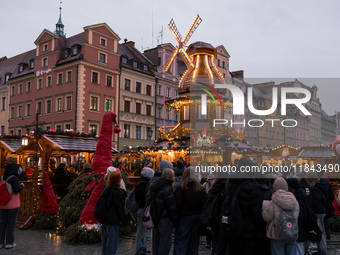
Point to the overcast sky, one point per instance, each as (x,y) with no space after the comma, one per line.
(265,38)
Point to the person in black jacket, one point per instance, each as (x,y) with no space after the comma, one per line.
(318,207)
(300,195)
(61,178)
(163,211)
(190,199)
(146,174)
(116,201)
(9,211)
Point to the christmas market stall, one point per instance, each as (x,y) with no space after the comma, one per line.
(8,148)
(280,154)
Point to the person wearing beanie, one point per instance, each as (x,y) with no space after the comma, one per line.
(146,174)
(282,199)
(300,195)
(9,211)
(109,170)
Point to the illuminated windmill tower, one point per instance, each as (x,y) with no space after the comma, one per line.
(201,73)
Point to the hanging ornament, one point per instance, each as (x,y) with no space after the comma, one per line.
(117,129)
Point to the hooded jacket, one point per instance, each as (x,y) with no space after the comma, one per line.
(146,175)
(303,214)
(164,203)
(281,200)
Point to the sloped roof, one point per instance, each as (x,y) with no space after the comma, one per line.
(316,153)
(11,144)
(73,144)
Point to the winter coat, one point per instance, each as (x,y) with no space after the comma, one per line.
(163,200)
(319,199)
(301,197)
(327,189)
(189,201)
(116,202)
(271,210)
(11,169)
(140,191)
(308,191)
(61,177)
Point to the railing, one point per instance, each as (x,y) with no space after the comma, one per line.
(27,201)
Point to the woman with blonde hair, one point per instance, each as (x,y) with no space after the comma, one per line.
(116,201)
(163,211)
(190,199)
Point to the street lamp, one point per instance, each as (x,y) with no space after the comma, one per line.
(24,141)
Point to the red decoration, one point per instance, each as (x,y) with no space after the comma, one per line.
(86,134)
(72,133)
(49,198)
(52,132)
(23,135)
(166,101)
(102,157)
(9,136)
(87,214)
(91,186)
(117,129)
(187,98)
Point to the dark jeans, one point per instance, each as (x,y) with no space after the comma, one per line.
(187,235)
(161,237)
(8,218)
(220,242)
(110,237)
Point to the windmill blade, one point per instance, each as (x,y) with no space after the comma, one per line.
(173,28)
(192,29)
(186,58)
(171,59)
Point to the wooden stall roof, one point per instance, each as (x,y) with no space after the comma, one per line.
(325,152)
(10,145)
(284,151)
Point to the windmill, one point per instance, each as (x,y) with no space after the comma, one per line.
(181,43)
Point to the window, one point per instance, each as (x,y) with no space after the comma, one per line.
(138,132)
(127,106)
(28,109)
(138,108)
(159,112)
(94,103)
(69,76)
(223,64)
(148,130)
(40,84)
(168,115)
(159,90)
(148,90)
(31,64)
(48,106)
(93,129)
(223,75)
(12,113)
(124,60)
(126,131)
(12,90)
(95,77)
(65,53)
(176,116)
(20,89)
(135,64)
(28,86)
(127,84)
(58,127)
(168,92)
(49,81)
(68,126)
(44,62)
(39,108)
(148,110)
(176,92)
(68,103)
(45,47)
(109,81)
(159,61)
(145,67)
(19,132)
(21,68)
(218,62)
(138,87)
(60,78)
(108,105)
(102,42)
(7,75)
(3,103)
(59,105)
(2,129)
(19,111)
(102,58)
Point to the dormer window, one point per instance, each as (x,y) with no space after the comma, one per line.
(75,49)
(31,63)
(135,64)
(7,75)
(65,53)
(21,68)
(145,67)
(124,60)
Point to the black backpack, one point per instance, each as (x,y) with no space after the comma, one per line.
(210,209)
(231,215)
(101,209)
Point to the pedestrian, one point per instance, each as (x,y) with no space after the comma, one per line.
(9,211)
(87,168)
(190,199)
(109,170)
(116,213)
(300,195)
(163,211)
(146,174)
(318,206)
(271,212)
(71,171)
(62,179)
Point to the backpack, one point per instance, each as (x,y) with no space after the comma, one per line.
(6,191)
(286,227)
(314,233)
(101,210)
(231,215)
(210,209)
(147,220)
(131,206)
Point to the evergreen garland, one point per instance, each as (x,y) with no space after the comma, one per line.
(78,234)
(45,221)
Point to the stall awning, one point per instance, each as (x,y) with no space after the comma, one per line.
(317,153)
(11,145)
